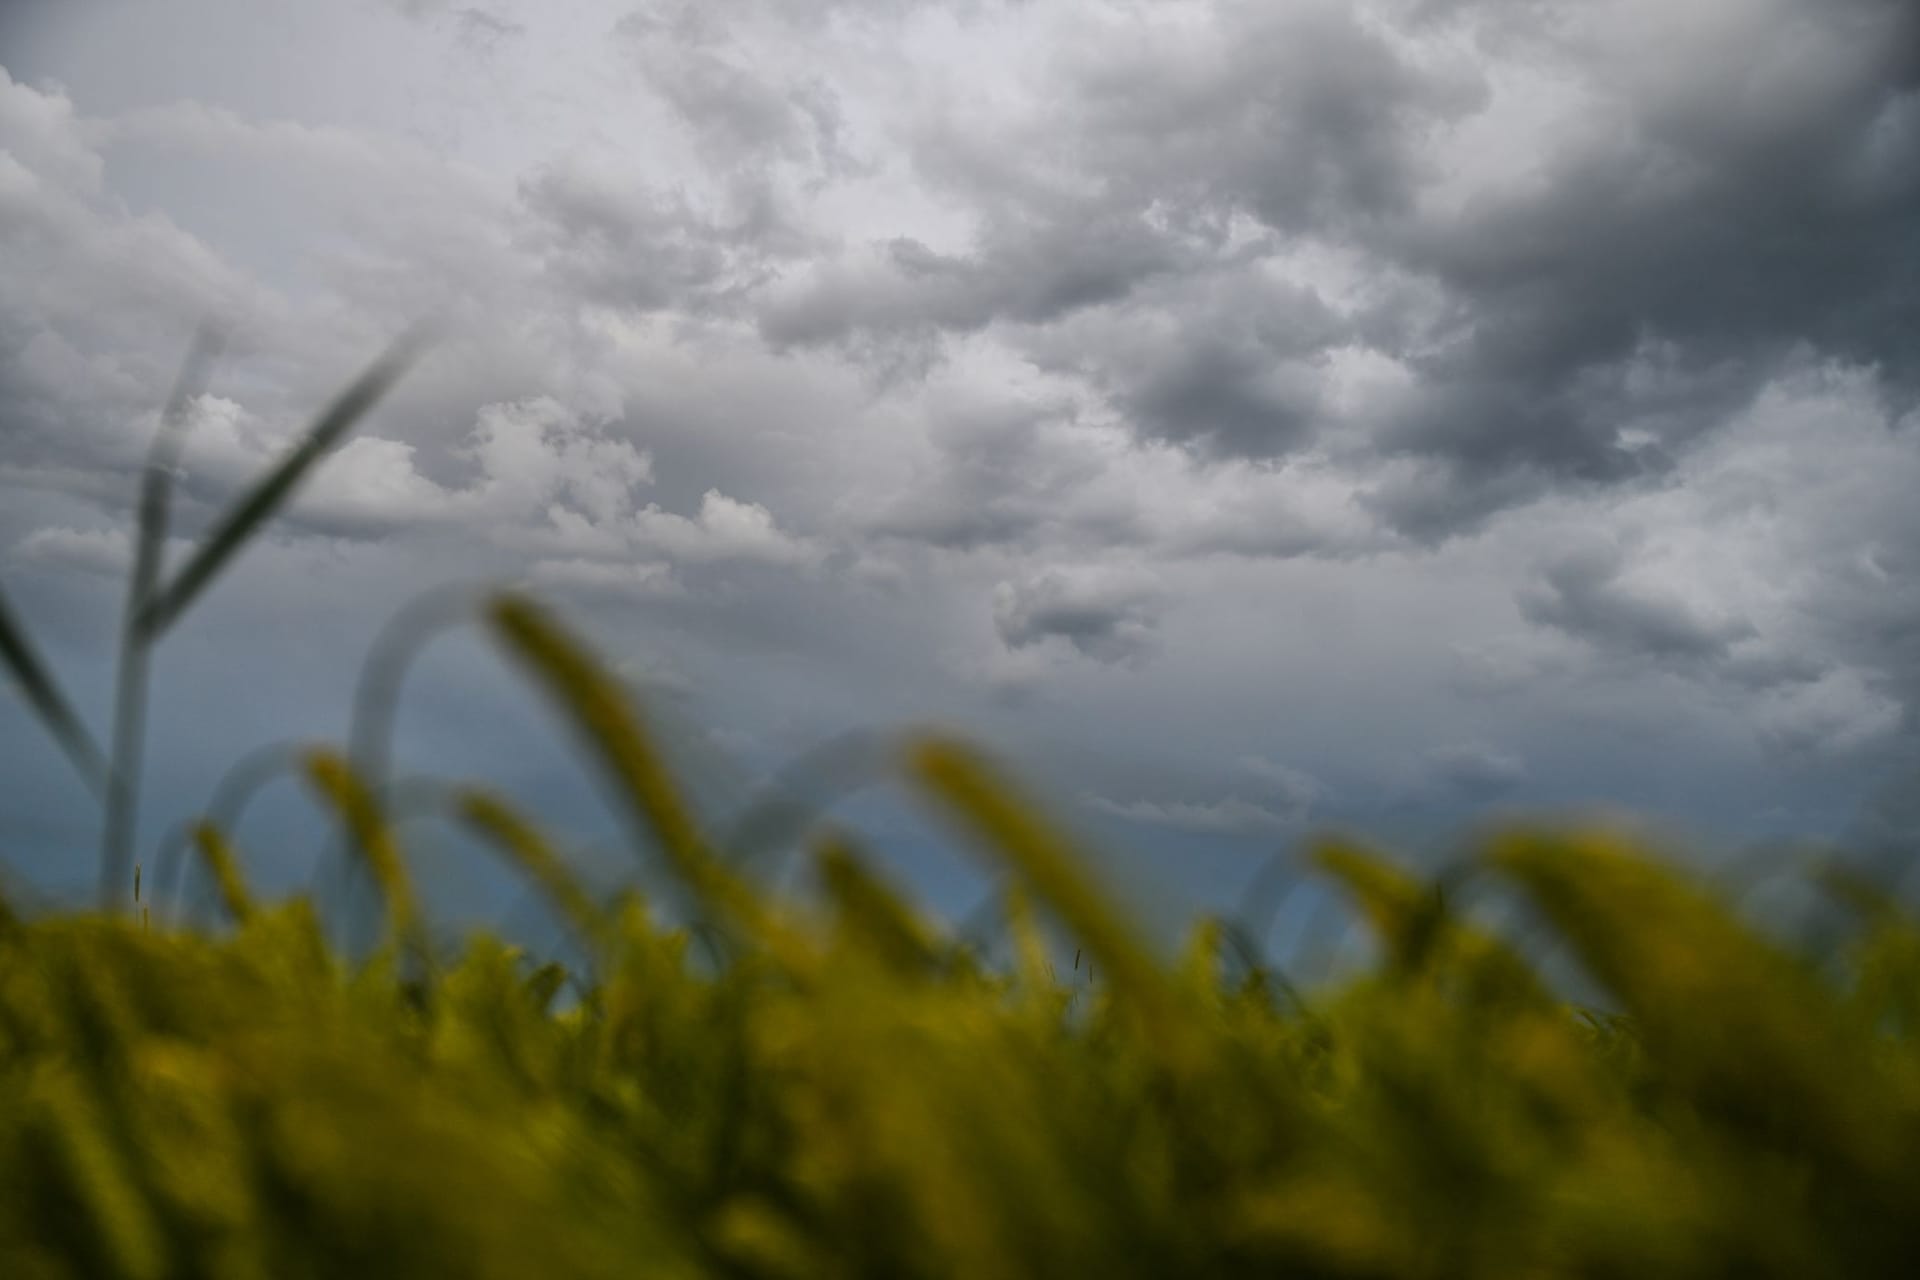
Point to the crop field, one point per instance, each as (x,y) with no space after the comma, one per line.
(844,1091)
(768,1088)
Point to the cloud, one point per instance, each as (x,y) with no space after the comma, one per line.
(1551,231)
(742,109)
(544,474)
(1584,595)
(1285,801)
(1315,375)
(1837,713)
(642,580)
(1107,616)
(1296,790)
(723,529)
(43,139)
(1029,274)
(536,452)
(105,552)
(1003,471)
(604,237)
(485,32)
(1720,195)
(1473,770)
(1228,816)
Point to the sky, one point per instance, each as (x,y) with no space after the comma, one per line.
(1246,417)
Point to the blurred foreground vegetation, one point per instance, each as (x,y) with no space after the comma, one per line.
(840,1089)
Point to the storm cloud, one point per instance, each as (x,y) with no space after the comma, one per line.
(1467,401)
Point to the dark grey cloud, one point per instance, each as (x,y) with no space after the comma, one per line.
(1725,193)
(1293,790)
(1029,273)
(1233,399)
(1110,617)
(1007,473)
(1583,594)
(1473,771)
(1304,115)
(991,483)
(739,112)
(1220,360)
(610,239)
(1432,499)
(1737,191)
(1134,165)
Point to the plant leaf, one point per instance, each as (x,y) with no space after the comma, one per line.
(44,696)
(156,483)
(244,519)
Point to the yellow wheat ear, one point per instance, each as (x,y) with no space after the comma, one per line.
(598,708)
(522,843)
(1742,1022)
(985,805)
(217,854)
(868,913)
(360,814)
(1419,932)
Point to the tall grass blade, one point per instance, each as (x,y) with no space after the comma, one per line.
(245,518)
(360,814)
(869,914)
(598,707)
(156,481)
(130,683)
(529,850)
(49,704)
(986,805)
(376,696)
(224,867)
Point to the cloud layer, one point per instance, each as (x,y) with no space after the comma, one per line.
(1450,400)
